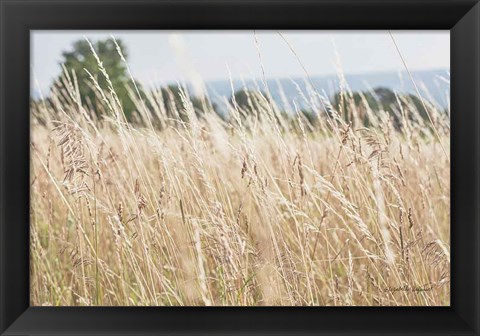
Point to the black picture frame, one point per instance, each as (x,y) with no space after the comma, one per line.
(18,17)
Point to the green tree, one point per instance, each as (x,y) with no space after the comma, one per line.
(250,102)
(174,106)
(81,57)
(311,117)
(379,99)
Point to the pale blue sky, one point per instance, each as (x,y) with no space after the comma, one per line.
(170,56)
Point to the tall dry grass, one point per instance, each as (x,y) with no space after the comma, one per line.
(257,210)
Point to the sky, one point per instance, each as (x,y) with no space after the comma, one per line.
(175,56)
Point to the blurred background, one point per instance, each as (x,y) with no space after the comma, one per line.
(219,63)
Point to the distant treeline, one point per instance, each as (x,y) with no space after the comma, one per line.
(83,81)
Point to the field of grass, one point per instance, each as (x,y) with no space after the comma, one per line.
(258,209)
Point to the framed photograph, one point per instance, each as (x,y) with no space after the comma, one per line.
(239,167)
